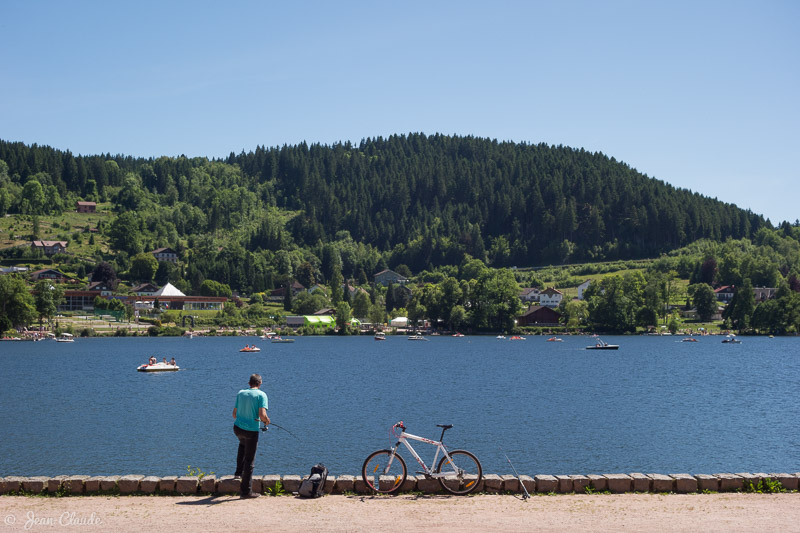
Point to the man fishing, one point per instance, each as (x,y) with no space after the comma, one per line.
(251,406)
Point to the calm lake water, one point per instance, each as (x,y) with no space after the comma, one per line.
(655,405)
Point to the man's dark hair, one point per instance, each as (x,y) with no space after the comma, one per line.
(255,380)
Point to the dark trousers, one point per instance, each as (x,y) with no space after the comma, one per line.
(246,457)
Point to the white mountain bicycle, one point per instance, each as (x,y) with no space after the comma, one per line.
(459,472)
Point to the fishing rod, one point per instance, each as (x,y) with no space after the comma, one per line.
(519,478)
(265,428)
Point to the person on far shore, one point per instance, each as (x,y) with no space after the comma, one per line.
(250,407)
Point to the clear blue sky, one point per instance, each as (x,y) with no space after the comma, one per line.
(704,95)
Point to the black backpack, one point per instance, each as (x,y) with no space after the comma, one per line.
(314,485)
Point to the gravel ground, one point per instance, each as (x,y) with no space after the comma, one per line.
(596,513)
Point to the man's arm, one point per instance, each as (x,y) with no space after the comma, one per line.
(234,412)
(262,414)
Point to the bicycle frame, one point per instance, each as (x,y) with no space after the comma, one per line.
(440,447)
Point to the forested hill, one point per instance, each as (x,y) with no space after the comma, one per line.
(427,199)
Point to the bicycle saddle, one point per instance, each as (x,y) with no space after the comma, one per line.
(444,426)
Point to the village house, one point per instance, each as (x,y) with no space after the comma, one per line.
(86,207)
(50,247)
(725,293)
(538,315)
(165,254)
(144,289)
(550,297)
(582,287)
(49,273)
(762,294)
(385,277)
(103,288)
(529,295)
(297,288)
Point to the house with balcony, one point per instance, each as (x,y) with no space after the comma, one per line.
(165,255)
(50,247)
(386,277)
(550,297)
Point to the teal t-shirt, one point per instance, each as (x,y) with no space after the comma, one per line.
(248,402)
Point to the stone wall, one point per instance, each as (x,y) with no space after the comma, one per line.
(491,483)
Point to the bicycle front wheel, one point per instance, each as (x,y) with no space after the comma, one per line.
(384,472)
(464,472)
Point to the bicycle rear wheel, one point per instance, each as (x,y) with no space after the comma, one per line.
(464,472)
(384,472)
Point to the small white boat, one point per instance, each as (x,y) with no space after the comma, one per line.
(555,339)
(602,345)
(65,337)
(731,339)
(501,337)
(416,338)
(250,349)
(689,339)
(457,334)
(158,367)
(380,336)
(278,339)
(517,338)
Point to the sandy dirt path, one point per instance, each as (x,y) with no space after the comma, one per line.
(596,513)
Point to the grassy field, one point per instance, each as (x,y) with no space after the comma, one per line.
(73,227)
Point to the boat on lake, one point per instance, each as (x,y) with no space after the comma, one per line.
(517,338)
(278,339)
(603,345)
(158,367)
(457,334)
(252,348)
(731,339)
(555,339)
(688,339)
(65,337)
(380,336)
(416,338)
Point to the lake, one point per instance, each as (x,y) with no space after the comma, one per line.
(655,405)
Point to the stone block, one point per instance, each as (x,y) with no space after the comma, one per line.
(528,482)
(54,483)
(92,485)
(149,484)
(641,483)
(345,484)
(730,482)
(684,483)
(410,484)
(747,479)
(598,482)
(2,485)
(75,484)
(707,482)
(511,484)
(35,484)
(186,485)
(428,485)
(167,484)
(12,484)
(208,485)
(129,484)
(108,483)
(492,484)
(360,487)
(229,485)
(268,482)
(564,484)
(789,481)
(579,483)
(619,483)
(291,483)
(545,483)
(330,481)
(662,483)
(469,483)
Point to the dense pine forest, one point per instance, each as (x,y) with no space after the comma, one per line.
(417,200)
